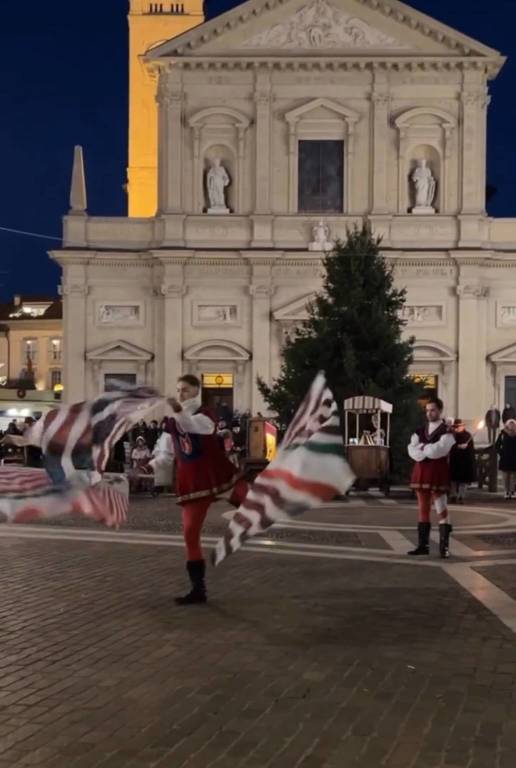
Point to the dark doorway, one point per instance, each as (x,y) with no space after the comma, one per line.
(220,401)
(510,391)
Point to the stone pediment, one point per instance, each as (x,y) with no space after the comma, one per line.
(432,351)
(294,311)
(323,27)
(505,355)
(119,350)
(217,349)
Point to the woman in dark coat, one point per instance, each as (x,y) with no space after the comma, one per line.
(506,450)
(462,462)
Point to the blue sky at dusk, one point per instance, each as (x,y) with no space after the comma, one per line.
(65,82)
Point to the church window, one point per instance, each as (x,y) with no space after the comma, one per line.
(321,176)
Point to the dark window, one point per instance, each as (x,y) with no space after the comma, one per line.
(510,390)
(321,172)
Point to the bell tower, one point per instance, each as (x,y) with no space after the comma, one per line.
(150,23)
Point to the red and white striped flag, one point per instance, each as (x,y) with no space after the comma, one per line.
(76,442)
(308,469)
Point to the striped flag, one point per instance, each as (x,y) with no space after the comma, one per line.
(29,494)
(81,436)
(308,469)
(76,442)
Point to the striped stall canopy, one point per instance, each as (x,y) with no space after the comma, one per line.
(367,404)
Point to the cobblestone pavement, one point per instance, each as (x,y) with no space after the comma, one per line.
(322,647)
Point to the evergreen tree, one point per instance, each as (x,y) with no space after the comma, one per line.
(353,333)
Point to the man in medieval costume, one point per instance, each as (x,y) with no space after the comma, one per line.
(203,472)
(429,448)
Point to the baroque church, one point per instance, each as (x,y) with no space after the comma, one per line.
(257,138)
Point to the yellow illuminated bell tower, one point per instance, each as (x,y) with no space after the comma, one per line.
(150,23)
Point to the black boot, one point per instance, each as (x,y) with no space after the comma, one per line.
(423,546)
(444,540)
(196,570)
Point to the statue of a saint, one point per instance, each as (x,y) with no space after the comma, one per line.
(321,237)
(424,184)
(217,180)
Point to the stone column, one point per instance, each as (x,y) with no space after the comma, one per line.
(261,291)
(170,134)
(74,290)
(472,349)
(379,119)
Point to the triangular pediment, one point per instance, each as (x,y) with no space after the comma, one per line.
(504,355)
(119,350)
(322,27)
(294,311)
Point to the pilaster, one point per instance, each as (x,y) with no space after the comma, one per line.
(474,101)
(169,332)
(472,348)
(379,120)
(170,130)
(74,290)
(262,99)
(261,291)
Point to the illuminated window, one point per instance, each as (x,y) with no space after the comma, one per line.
(430,383)
(217,380)
(30,351)
(56,350)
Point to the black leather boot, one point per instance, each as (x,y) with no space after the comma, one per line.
(196,570)
(423,546)
(444,540)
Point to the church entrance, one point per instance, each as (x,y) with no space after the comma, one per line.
(217,394)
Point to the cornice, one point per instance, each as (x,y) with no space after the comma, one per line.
(294,63)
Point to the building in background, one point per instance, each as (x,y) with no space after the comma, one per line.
(31,361)
(280,124)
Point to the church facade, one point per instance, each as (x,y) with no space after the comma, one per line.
(279,125)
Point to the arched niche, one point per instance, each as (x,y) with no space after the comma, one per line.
(434,162)
(433,131)
(226,128)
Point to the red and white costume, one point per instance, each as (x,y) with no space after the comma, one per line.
(429,448)
(203,470)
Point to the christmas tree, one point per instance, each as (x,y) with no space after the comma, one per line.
(354,334)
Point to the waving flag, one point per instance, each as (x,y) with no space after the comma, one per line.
(76,441)
(309,469)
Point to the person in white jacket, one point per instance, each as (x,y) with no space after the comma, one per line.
(162,463)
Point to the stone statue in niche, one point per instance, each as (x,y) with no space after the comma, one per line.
(217,179)
(424,188)
(321,238)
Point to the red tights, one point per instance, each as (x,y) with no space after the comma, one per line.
(425,499)
(194,514)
